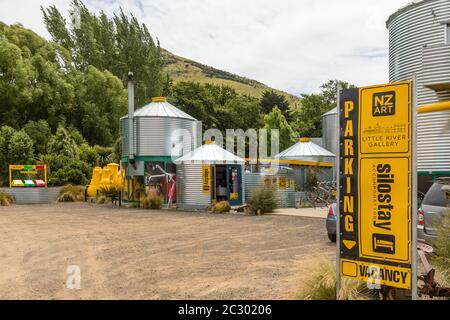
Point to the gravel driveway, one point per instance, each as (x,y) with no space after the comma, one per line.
(138,254)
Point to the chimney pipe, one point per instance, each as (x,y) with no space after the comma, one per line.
(130,118)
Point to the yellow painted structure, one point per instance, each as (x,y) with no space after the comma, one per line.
(108,176)
(95,182)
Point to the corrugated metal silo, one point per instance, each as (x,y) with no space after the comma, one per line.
(419,42)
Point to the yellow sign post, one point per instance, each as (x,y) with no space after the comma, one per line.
(375,179)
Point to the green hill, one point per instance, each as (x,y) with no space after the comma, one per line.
(182,69)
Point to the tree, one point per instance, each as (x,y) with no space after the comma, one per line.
(219,107)
(105,155)
(329,91)
(100,101)
(40,133)
(119,44)
(307,119)
(271,99)
(62,144)
(20,149)
(276,120)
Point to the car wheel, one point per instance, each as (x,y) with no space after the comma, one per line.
(332,237)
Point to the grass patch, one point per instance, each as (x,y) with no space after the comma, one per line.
(319,283)
(441,257)
(71,193)
(152,202)
(6,199)
(221,207)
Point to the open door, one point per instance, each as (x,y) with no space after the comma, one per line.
(234,185)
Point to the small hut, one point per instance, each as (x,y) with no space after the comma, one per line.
(206,174)
(304,155)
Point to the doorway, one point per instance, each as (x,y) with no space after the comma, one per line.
(228,184)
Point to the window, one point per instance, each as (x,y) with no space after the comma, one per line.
(447,33)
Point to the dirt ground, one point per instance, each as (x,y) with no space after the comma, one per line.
(138,254)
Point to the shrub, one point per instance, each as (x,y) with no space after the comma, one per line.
(441,258)
(66,170)
(319,283)
(71,193)
(6,199)
(101,200)
(109,191)
(221,207)
(154,202)
(262,201)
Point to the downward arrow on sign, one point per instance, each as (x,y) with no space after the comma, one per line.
(350,244)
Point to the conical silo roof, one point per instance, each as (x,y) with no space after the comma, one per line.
(209,153)
(331,112)
(159,107)
(304,149)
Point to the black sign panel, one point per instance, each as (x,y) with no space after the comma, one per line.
(348,166)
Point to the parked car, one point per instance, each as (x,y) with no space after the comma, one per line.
(331,222)
(435,206)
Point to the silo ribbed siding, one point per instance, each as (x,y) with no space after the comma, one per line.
(417,44)
(189,186)
(152,135)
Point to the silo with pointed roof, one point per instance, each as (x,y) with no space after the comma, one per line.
(161,132)
(207,174)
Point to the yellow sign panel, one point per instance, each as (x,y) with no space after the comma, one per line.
(206,179)
(376,274)
(385,119)
(384,215)
(292,184)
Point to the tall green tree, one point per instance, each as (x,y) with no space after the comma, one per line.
(219,107)
(119,44)
(271,99)
(307,119)
(40,133)
(276,120)
(63,144)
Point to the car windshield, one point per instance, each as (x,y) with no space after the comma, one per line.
(436,197)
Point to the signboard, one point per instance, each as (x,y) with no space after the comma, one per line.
(375,198)
(27,175)
(206,179)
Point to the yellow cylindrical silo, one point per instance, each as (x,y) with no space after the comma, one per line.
(95,182)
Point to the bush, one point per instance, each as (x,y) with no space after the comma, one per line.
(110,191)
(66,170)
(154,202)
(262,201)
(71,193)
(319,283)
(441,258)
(101,200)
(6,199)
(221,207)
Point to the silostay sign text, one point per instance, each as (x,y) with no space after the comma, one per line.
(375,198)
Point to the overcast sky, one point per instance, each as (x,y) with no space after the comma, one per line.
(292,45)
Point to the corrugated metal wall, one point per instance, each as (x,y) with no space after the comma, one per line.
(33,195)
(329,132)
(417,45)
(152,135)
(189,187)
(286,198)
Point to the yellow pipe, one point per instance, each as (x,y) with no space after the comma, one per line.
(295,162)
(441,106)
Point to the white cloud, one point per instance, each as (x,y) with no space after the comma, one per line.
(293,45)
